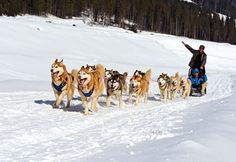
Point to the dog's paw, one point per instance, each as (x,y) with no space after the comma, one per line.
(55,106)
(95,109)
(86,113)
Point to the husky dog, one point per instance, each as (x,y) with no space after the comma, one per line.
(175,82)
(164,83)
(115,86)
(63,83)
(123,77)
(185,87)
(139,85)
(91,86)
(91,67)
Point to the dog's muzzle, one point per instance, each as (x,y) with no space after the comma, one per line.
(113,88)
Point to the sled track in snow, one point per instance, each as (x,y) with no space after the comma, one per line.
(35,131)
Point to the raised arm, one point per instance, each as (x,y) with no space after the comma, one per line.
(189,48)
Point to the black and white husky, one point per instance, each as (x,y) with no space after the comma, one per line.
(115,87)
(123,77)
(164,83)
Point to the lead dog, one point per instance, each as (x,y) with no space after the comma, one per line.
(139,85)
(91,86)
(63,83)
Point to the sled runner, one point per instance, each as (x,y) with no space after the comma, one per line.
(196,92)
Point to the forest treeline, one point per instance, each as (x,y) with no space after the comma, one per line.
(195,20)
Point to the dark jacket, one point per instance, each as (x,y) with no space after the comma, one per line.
(193,59)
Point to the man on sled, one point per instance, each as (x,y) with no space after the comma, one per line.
(197,71)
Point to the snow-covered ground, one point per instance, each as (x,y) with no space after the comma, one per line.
(196,129)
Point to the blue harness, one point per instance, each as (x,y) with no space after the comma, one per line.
(59,87)
(62,85)
(89,93)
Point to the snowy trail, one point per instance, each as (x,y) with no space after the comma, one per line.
(35,131)
(31,130)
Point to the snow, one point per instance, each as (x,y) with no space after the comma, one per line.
(222,16)
(189,1)
(196,129)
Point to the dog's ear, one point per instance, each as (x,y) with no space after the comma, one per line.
(82,67)
(61,61)
(56,60)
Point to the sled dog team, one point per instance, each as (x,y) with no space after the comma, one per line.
(90,80)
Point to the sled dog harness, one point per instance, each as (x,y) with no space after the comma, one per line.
(62,85)
(89,93)
(59,87)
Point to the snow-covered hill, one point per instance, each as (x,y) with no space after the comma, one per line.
(196,129)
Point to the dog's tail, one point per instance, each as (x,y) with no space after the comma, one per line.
(177,75)
(74,74)
(148,74)
(125,75)
(100,69)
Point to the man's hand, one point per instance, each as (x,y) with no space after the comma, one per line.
(201,67)
(184,43)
